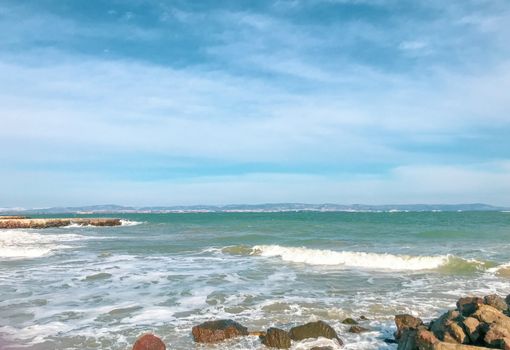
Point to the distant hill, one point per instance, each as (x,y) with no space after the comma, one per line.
(270,207)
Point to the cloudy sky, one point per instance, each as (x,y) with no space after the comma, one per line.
(213,102)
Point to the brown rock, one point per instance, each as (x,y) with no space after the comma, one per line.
(488,314)
(46,223)
(405,321)
(276,338)
(149,342)
(215,331)
(314,330)
(471,327)
(497,336)
(444,327)
(496,302)
(468,305)
(358,329)
(426,340)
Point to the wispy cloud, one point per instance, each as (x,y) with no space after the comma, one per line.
(288,104)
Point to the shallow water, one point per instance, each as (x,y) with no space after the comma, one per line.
(99,288)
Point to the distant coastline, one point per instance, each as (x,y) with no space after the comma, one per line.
(255,208)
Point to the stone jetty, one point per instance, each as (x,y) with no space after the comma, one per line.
(12,223)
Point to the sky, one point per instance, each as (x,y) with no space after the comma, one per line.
(218,102)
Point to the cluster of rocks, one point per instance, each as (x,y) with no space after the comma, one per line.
(215,331)
(476,323)
(220,330)
(13,222)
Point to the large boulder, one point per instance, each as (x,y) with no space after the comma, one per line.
(276,338)
(472,329)
(497,336)
(426,340)
(448,328)
(215,331)
(488,314)
(149,342)
(406,321)
(468,305)
(496,302)
(314,330)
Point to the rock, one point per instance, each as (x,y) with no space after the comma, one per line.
(215,331)
(349,320)
(314,330)
(405,321)
(471,327)
(149,342)
(363,318)
(496,302)
(468,305)
(488,314)
(497,336)
(276,338)
(507,299)
(389,341)
(426,340)
(449,328)
(407,339)
(358,329)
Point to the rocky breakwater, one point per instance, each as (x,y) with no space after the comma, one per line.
(13,223)
(476,323)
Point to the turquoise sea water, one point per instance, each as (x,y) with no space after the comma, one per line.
(99,288)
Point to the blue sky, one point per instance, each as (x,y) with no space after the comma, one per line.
(214,102)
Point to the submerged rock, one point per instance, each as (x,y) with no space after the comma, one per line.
(276,338)
(349,320)
(314,330)
(215,331)
(149,342)
(358,329)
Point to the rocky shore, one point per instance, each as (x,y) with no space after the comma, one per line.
(23,222)
(477,323)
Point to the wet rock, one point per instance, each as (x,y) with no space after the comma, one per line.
(389,341)
(468,305)
(276,338)
(471,327)
(349,320)
(149,342)
(54,222)
(496,302)
(406,321)
(363,318)
(426,340)
(358,329)
(314,330)
(215,331)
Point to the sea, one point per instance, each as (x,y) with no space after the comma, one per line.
(102,287)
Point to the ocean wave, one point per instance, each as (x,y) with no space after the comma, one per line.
(16,244)
(364,260)
(502,270)
(130,222)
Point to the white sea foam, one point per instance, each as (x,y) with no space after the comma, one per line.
(351,259)
(130,222)
(16,244)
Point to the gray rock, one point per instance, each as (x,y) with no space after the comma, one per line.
(468,305)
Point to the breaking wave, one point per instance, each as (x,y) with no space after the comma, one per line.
(16,244)
(130,222)
(364,260)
